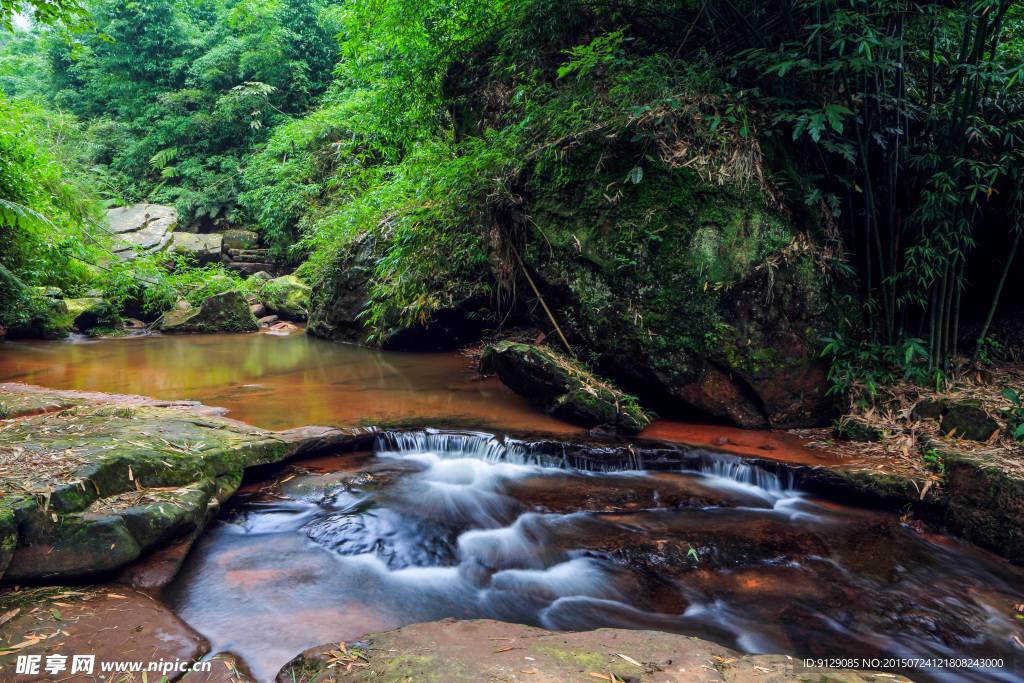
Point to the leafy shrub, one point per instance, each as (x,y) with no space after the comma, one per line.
(1015,413)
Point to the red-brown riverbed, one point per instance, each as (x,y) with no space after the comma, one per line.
(427,528)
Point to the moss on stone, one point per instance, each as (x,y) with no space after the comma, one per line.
(658,279)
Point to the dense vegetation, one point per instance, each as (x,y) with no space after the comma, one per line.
(890,131)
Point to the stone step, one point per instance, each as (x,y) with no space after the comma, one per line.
(250,255)
(246,268)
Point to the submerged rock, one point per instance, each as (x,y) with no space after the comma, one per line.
(226,312)
(561,387)
(287,296)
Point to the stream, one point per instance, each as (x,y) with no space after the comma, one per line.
(433,524)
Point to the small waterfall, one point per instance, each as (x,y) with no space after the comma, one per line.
(723,471)
(477,445)
(748,476)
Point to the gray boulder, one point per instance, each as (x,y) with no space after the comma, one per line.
(142,228)
(240,239)
(203,248)
(227,312)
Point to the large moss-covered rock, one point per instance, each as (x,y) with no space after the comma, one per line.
(968,422)
(561,387)
(693,295)
(88,312)
(226,312)
(342,292)
(287,296)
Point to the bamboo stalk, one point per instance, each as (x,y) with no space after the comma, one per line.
(999,290)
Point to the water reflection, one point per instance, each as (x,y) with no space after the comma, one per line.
(281,382)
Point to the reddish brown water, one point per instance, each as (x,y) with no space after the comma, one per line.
(433,526)
(282,382)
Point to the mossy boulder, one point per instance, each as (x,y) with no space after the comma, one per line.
(561,387)
(342,292)
(968,422)
(287,296)
(852,430)
(88,312)
(226,312)
(692,295)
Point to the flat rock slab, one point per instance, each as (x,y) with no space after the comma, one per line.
(142,227)
(96,486)
(485,650)
(113,624)
(24,405)
(204,248)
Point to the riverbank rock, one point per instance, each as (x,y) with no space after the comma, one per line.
(93,487)
(46,317)
(88,312)
(694,296)
(141,228)
(968,422)
(482,649)
(110,623)
(202,248)
(240,239)
(561,387)
(287,296)
(226,312)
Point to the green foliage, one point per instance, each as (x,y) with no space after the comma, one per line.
(861,370)
(1015,413)
(158,281)
(48,218)
(72,13)
(208,81)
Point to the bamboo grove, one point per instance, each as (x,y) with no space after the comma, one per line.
(909,117)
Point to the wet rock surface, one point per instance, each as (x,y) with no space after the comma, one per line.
(489,650)
(561,387)
(440,525)
(114,624)
(93,487)
(227,312)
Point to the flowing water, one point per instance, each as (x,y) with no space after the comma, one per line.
(434,525)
